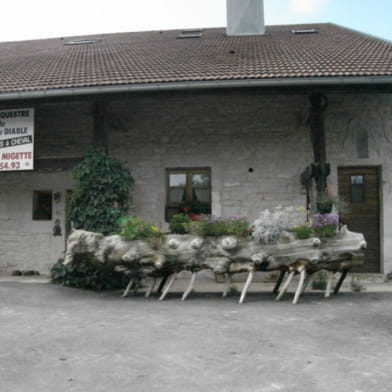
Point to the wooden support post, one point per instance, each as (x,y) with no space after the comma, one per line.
(341,279)
(318,103)
(149,291)
(300,285)
(321,169)
(285,286)
(247,284)
(190,287)
(308,279)
(227,285)
(126,291)
(136,285)
(168,286)
(99,132)
(162,283)
(279,281)
(329,285)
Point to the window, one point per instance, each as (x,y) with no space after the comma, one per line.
(42,205)
(188,191)
(357,191)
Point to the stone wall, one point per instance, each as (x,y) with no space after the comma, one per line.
(63,132)
(28,244)
(349,120)
(228,131)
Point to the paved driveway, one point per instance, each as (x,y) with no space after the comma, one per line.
(56,339)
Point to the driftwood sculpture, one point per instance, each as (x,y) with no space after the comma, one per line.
(165,257)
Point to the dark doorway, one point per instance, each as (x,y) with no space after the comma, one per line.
(360,188)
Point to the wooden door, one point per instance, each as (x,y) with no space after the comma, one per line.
(359,187)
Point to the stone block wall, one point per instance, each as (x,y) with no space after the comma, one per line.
(349,120)
(29,244)
(228,131)
(62,132)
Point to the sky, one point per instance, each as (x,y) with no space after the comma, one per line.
(32,19)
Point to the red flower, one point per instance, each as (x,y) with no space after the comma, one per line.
(185,209)
(193,217)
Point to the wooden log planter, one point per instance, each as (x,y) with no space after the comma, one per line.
(166,256)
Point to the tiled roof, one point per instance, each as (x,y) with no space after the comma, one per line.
(159,57)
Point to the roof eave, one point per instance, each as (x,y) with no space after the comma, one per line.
(197,85)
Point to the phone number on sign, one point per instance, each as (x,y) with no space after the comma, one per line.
(9,165)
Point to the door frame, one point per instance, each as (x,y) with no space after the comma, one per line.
(380,207)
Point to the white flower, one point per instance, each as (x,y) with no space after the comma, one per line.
(269,226)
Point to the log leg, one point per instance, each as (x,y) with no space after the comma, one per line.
(279,281)
(227,285)
(247,284)
(285,286)
(136,286)
(126,291)
(190,287)
(329,285)
(308,279)
(300,285)
(149,291)
(341,279)
(168,286)
(162,283)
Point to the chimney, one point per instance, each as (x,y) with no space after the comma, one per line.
(245,17)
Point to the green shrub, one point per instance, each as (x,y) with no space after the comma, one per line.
(302,232)
(135,228)
(179,224)
(209,225)
(325,231)
(86,273)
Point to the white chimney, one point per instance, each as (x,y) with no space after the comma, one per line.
(245,17)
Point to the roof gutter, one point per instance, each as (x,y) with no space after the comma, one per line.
(198,85)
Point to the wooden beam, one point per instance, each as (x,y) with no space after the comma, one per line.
(99,115)
(318,103)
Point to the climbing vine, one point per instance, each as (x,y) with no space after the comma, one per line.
(101,194)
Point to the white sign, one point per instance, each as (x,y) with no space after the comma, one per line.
(16,139)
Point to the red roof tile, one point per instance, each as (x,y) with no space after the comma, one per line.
(158,57)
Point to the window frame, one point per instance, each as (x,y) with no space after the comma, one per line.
(189,172)
(36,205)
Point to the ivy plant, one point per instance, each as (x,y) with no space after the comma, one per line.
(101,194)
(85,274)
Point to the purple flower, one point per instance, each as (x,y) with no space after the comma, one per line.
(325,219)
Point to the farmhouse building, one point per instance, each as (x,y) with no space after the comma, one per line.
(236,119)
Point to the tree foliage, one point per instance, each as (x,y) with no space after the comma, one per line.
(101,194)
